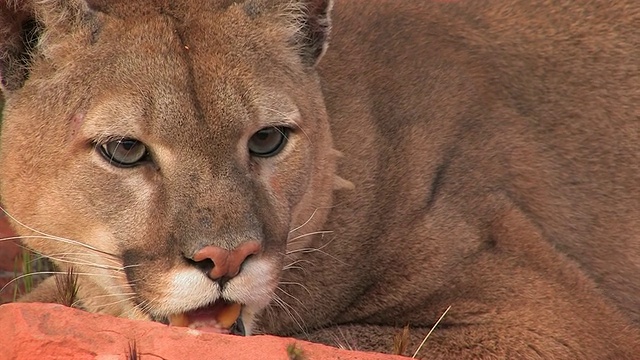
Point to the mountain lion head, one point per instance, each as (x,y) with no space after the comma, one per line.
(176,147)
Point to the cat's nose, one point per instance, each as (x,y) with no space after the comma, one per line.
(225,264)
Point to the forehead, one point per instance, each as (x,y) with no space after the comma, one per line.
(203,32)
(191,68)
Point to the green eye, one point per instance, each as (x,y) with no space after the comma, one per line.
(124,152)
(269,141)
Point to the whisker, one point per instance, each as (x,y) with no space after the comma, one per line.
(318,249)
(100,296)
(74,254)
(293,265)
(53,237)
(142,307)
(146,305)
(323,245)
(289,310)
(50,273)
(294,283)
(306,222)
(74,261)
(290,241)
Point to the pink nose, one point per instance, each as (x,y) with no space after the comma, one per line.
(226,263)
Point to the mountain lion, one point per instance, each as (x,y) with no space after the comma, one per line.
(335,172)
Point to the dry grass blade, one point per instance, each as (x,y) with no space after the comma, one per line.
(295,352)
(401,341)
(430,331)
(67,288)
(30,271)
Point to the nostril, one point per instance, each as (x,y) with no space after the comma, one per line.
(213,258)
(239,268)
(205,265)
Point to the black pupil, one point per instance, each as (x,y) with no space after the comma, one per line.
(263,134)
(128,144)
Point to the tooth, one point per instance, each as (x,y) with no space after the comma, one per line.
(179,320)
(229,315)
(238,328)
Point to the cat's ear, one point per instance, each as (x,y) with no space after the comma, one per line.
(29,27)
(315,27)
(310,19)
(17,26)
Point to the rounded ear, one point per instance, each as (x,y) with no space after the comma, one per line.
(16,37)
(310,19)
(22,24)
(315,27)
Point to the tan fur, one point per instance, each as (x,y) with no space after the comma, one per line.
(482,155)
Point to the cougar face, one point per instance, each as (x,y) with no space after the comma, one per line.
(195,158)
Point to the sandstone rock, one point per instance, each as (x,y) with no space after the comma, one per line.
(49,331)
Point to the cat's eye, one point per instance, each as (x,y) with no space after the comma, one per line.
(124,152)
(269,141)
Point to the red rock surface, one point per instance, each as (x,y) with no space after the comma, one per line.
(49,331)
